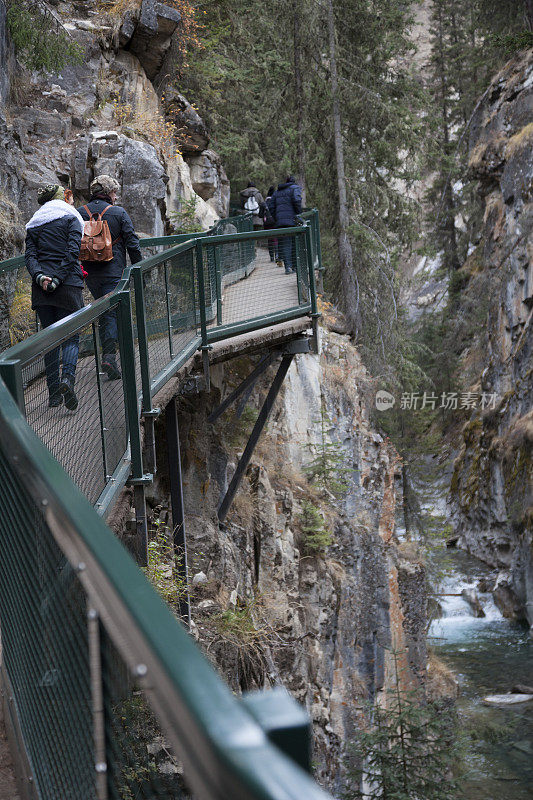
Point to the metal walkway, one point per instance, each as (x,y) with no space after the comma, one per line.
(106,695)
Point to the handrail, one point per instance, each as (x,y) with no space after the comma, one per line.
(202,321)
(224,750)
(172,304)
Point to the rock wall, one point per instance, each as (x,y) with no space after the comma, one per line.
(322,623)
(492,485)
(105,115)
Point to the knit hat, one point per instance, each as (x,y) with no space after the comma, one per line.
(51,192)
(104,184)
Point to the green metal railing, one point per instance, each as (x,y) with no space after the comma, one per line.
(108,696)
(170,305)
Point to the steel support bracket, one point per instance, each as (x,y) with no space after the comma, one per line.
(194,385)
(145,480)
(284,721)
(260,422)
(151,412)
(297,346)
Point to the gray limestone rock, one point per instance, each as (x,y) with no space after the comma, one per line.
(136,166)
(210,181)
(492,488)
(151,37)
(190,126)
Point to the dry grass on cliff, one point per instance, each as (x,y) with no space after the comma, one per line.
(11,229)
(520,140)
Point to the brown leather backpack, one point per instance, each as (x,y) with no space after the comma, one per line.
(96,242)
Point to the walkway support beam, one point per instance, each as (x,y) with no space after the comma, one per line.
(248,382)
(178,511)
(273,392)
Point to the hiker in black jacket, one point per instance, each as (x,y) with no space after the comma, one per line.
(104,276)
(52,256)
(285,205)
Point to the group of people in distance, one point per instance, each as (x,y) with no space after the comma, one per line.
(52,255)
(280,209)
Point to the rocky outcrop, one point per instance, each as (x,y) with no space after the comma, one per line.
(210,181)
(4,55)
(105,115)
(268,609)
(148,33)
(492,484)
(190,127)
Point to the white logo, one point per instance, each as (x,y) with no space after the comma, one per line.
(384,400)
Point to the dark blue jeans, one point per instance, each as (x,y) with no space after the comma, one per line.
(47,316)
(286,248)
(107,326)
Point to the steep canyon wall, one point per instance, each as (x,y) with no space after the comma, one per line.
(323,623)
(492,485)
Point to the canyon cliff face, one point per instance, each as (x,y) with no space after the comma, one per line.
(492,485)
(105,115)
(267,608)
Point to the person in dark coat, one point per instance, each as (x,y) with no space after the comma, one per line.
(252,196)
(286,204)
(52,256)
(104,276)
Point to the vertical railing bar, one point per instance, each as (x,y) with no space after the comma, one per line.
(127,359)
(100,402)
(201,297)
(142,338)
(192,273)
(11,374)
(297,262)
(169,318)
(97,700)
(218,279)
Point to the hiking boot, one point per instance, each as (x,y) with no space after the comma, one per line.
(55,398)
(66,387)
(109,366)
(279,263)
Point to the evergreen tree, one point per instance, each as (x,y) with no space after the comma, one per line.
(409,751)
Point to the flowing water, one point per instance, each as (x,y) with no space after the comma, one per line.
(488,655)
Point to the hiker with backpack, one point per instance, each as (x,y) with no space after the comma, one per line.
(52,257)
(108,234)
(253,203)
(286,205)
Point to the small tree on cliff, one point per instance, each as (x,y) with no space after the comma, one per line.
(408,752)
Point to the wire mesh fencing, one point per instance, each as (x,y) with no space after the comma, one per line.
(249,281)
(166,310)
(86,427)
(45,647)
(87,725)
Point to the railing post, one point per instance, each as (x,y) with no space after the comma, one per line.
(218,274)
(100,403)
(138,479)
(11,374)
(319,250)
(315,316)
(201,299)
(297,252)
(97,701)
(169,316)
(142,338)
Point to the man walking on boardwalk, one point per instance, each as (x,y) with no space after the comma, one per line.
(104,275)
(285,205)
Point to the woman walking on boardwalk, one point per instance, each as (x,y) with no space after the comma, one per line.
(52,256)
